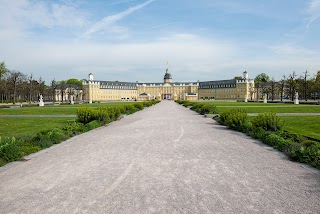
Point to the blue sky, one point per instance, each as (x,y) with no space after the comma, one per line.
(129,40)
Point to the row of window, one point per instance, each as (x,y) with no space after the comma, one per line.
(117,87)
(223,90)
(218,86)
(114,92)
(113,97)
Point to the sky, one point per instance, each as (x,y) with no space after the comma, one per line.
(136,40)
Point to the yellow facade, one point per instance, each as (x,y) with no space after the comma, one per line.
(233,89)
(109,91)
(168,91)
(129,91)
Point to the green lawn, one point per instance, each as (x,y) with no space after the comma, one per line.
(307,126)
(54,110)
(24,126)
(285,108)
(252,107)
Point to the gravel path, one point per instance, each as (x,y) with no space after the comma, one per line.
(165,159)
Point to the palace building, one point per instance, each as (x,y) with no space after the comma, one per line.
(234,89)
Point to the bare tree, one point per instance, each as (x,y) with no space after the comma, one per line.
(305,85)
(282,81)
(30,79)
(15,77)
(273,88)
(41,86)
(54,86)
(292,84)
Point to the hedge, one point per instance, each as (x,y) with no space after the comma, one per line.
(201,108)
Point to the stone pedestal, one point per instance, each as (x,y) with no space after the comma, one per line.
(245,99)
(90,101)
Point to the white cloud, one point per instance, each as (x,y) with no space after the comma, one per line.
(24,15)
(313,11)
(294,51)
(108,21)
(186,53)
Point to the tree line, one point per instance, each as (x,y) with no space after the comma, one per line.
(305,84)
(16,86)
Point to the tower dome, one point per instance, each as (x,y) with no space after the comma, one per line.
(167,77)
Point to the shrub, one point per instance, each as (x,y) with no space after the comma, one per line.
(57,135)
(292,136)
(308,143)
(277,142)
(186,103)
(234,119)
(147,104)
(85,114)
(93,124)
(208,109)
(196,106)
(259,133)
(268,121)
(43,140)
(74,127)
(130,109)
(9,150)
(247,127)
(28,148)
(2,162)
(138,106)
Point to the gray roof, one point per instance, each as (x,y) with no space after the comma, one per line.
(117,83)
(64,86)
(218,82)
(176,83)
(167,76)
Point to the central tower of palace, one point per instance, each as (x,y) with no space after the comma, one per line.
(167,77)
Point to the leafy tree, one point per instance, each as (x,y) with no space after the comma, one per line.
(3,70)
(74,81)
(3,82)
(260,78)
(316,85)
(238,78)
(258,82)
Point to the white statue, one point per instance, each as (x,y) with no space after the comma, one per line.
(71,100)
(296,98)
(41,103)
(265,98)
